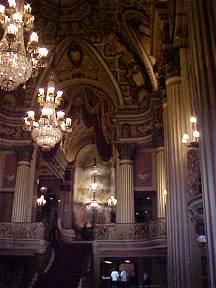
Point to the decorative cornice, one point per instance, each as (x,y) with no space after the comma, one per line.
(168,63)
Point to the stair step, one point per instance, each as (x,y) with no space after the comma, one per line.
(66,269)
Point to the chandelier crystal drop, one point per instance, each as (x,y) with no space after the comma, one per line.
(18,62)
(51,125)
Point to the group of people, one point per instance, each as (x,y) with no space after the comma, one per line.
(119,279)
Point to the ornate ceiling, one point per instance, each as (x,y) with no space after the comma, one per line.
(101,51)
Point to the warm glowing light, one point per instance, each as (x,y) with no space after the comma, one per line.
(12,3)
(41,200)
(43,52)
(34,37)
(60,115)
(48,130)
(195,134)
(19,59)
(12,29)
(193,137)
(193,120)
(31,114)
(2,9)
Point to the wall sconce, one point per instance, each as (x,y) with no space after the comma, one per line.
(112,201)
(41,201)
(192,138)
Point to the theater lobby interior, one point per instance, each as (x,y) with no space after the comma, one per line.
(107,143)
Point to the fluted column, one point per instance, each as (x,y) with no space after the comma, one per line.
(161,183)
(125,185)
(67,196)
(179,270)
(202,41)
(20,203)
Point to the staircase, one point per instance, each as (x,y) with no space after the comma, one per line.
(66,268)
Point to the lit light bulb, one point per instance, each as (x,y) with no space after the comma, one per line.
(17,17)
(31,114)
(51,90)
(68,121)
(60,115)
(12,3)
(196,134)
(34,37)
(193,120)
(2,9)
(12,29)
(27,8)
(43,52)
(185,138)
(41,91)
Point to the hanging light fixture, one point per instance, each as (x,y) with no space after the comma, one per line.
(112,201)
(192,138)
(17,62)
(48,130)
(94,188)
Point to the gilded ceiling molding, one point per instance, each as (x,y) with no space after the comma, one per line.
(137,43)
(115,94)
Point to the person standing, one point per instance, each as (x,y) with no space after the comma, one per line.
(114,278)
(123,278)
(146,280)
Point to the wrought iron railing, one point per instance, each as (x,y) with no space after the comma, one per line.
(155,229)
(20,231)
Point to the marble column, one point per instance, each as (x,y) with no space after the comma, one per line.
(202,39)
(179,269)
(161,183)
(125,185)
(21,193)
(67,196)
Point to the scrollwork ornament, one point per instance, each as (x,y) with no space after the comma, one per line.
(168,63)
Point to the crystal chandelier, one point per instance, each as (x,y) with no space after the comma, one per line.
(17,62)
(49,128)
(94,188)
(192,138)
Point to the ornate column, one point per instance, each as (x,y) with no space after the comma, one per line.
(67,197)
(179,269)
(161,183)
(21,193)
(202,39)
(125,185)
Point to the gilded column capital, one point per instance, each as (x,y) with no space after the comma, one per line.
(126,150)
(24,152)
(168,63)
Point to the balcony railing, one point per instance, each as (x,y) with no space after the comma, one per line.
(22,231)
(155,229)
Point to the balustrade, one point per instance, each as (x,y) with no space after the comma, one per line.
(155,229)
(22,231)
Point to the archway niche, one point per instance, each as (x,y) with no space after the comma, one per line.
(86,215)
